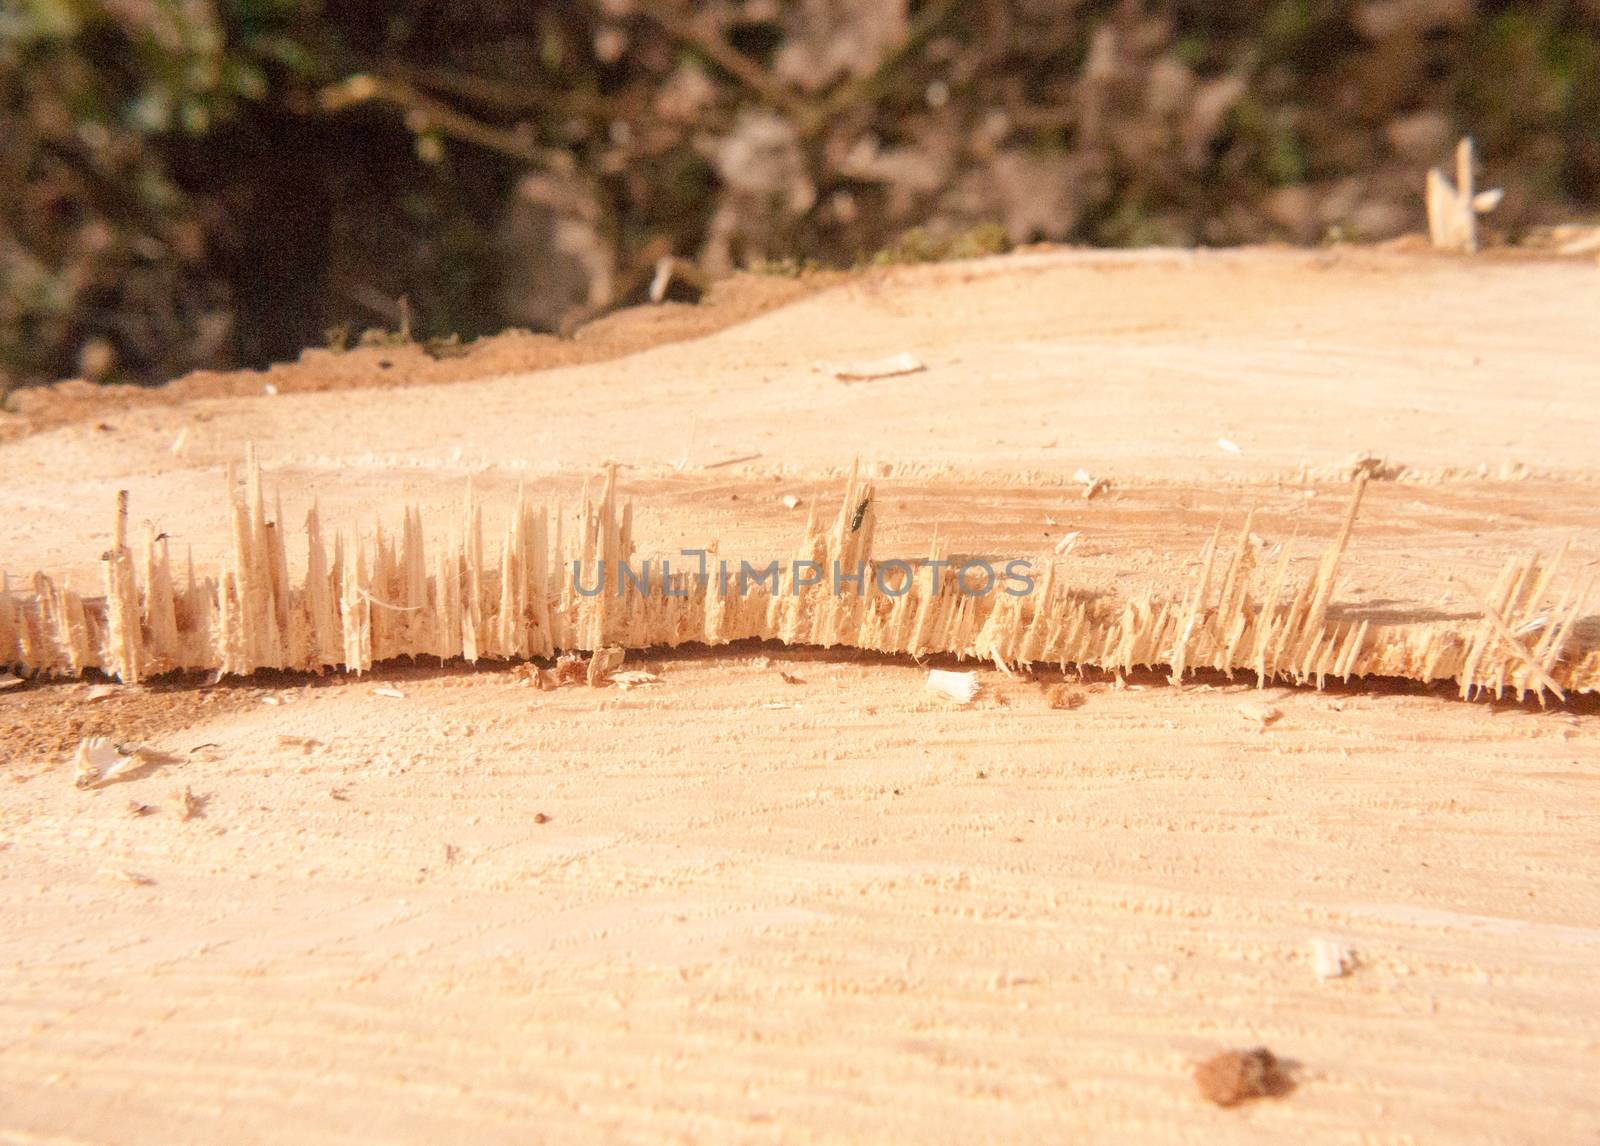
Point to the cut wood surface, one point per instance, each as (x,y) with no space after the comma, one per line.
(789,892)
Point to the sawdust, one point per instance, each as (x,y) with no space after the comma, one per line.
(43,724)
(1065,698)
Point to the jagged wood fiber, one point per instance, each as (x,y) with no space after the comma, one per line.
(363,603)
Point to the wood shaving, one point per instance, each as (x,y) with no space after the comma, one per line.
(960,687)
(132,877)
(636,678)
(864,371)
(1528,628)
(10,680)
(189,805)
(388,691)
(790,678)
(1095,488)
(1228,446)
(790,501)
(1064,546)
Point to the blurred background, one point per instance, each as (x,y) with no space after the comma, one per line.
(218,183)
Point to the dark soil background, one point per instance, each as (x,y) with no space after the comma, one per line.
(214,183)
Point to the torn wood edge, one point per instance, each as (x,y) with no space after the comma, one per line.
(365,601)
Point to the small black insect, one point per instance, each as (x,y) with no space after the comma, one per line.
(861,513)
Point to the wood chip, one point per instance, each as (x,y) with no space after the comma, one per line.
(132,877)
(635,678)
(531,674)
(94,761)
(1064,546)
(571,668)
(790,501)
(1233,1077)
(960,687)
(1228,446)
(1261,714)
(603,663)
(189,805)
(1454,207)
(1095,488)
(1331,959)
(10,680)
(864,371)
(386,690)
(790,678)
